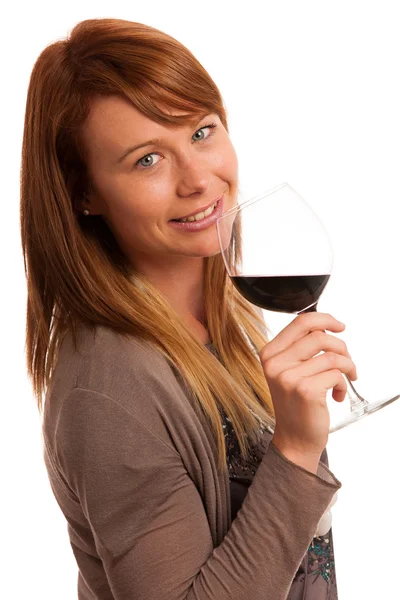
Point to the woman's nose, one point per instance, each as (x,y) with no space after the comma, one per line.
(194,177)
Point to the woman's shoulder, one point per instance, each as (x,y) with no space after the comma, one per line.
(109,377)
(129,371)
(102,356)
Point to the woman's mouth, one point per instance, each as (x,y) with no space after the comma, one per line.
(201,220)
(198,216)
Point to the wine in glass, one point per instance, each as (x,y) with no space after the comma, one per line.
(279,257)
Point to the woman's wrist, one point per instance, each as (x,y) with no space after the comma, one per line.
(308,461)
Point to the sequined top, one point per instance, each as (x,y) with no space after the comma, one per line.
(315,578)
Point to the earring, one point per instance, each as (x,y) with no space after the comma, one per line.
(85,198)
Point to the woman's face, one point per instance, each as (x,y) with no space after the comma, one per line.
(188,169)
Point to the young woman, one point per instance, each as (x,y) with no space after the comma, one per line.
(186,451)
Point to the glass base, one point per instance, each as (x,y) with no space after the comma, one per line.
(362,409)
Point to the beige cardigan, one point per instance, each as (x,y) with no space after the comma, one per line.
(133,466)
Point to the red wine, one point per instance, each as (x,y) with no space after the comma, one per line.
(283,293)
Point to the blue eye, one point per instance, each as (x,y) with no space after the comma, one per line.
(144,166)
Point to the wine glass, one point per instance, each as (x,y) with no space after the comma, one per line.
(279,257)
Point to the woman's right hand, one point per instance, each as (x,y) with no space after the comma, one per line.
(299,381)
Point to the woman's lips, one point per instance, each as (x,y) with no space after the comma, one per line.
(204,223)
(196,212)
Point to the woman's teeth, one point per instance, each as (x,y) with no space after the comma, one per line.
(200,215)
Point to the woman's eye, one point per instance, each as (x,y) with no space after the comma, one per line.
(148,156)
(210,127)
(145,158)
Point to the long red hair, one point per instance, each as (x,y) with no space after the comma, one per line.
(76,273)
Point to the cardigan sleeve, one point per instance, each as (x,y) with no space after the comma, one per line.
(149,522)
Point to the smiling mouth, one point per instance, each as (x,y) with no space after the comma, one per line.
(200,215)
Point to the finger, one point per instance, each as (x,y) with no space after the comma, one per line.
(323,363)
(301,326)
(312,344)
(330,380)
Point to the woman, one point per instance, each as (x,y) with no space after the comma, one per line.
(160,385)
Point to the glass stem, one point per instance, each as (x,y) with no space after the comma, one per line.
(357,402)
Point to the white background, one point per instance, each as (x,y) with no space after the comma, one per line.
(312,94)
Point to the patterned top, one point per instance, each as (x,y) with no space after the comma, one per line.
(315,578)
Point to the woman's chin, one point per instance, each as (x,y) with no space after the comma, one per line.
(208,248)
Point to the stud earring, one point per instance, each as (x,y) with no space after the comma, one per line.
(86,212)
